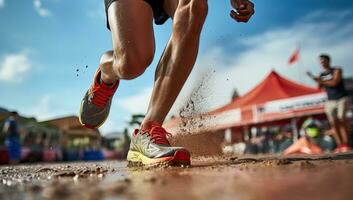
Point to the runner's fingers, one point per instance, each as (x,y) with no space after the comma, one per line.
(245,12)
(242,5)
(248,9)
(236,4)
(240,18)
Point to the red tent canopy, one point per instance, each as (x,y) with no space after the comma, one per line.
(273,87)
(275,98)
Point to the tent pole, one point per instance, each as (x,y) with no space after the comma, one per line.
(294,122)
(246,133)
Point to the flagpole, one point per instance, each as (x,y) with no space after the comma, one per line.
(295,60)
(300,64)
(301,71)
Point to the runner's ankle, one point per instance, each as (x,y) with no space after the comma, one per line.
(149,124)
(107,81)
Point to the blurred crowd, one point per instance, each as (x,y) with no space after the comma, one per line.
(315,137)
(20,145)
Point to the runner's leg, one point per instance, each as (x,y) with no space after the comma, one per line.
(331,113)
(178,58)
(343,107)
(133,48)
(131,26)
(337,132)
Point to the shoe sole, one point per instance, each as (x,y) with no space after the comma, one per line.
(180,158)
(344,150)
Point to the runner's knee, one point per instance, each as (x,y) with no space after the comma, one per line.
(106,65)
(106,59)
(130,65)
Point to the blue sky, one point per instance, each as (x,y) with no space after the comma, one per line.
(44,42)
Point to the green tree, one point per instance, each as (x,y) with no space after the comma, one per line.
(136,119)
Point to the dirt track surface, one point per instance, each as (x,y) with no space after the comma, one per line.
(227,177)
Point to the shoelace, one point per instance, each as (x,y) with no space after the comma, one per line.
(101,96)
(159,135)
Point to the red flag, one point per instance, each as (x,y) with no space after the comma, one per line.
(294,57)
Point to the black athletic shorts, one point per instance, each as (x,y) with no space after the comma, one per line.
(160,16)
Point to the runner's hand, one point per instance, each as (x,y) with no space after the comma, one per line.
(311,75)
(244,10)
(316,79)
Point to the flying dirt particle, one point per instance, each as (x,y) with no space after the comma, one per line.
(99,169)
(233,158)
(84,171)
(86,66)
(246,161)
(65,174)
(284,162)
(34,188)
(196,105)
(151,180)
(306,165)
(77,70)
(127,180)
(272,163)
(46,169)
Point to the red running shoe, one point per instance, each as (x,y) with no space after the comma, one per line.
(96,103)
(151,147)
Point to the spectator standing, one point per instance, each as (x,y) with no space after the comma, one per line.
(12,140)
(337,106)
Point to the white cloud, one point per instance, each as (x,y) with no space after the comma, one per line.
(47,108)
(14,67)
(2,3)
(96,10)
(322,15)
(43,12)
(138,103)
(42,109)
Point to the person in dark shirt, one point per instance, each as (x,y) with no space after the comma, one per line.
(13,138)
(331,79)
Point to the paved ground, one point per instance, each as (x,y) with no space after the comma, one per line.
(222,177)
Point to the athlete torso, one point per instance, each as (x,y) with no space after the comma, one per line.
(333,92)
